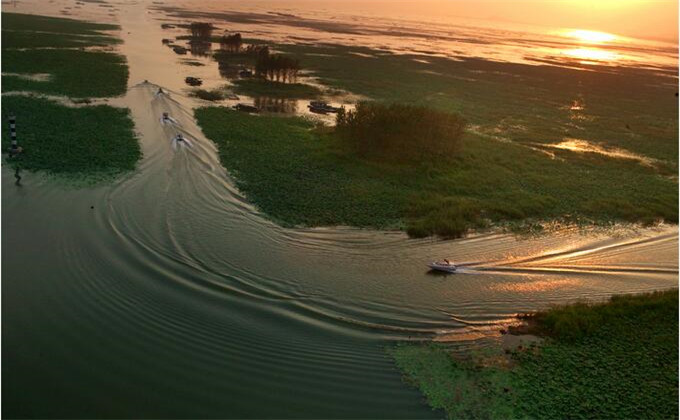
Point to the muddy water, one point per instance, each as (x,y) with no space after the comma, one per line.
(173,297)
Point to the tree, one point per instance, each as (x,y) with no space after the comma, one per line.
(231,43)
(201,30)
(400,132)
(277,67)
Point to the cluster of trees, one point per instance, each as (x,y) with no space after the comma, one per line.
(201,31)
(231,43)
(400,132)
(277,67)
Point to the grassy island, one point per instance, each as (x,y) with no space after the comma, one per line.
(62,136)
(261,87)
(300,174)
(610,360)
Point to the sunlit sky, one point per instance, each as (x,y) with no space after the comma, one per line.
(653,19)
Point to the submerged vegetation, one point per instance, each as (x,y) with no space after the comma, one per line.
(59,138)
(617,359)
(303,175)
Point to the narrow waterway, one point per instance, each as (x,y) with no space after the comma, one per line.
(165,294)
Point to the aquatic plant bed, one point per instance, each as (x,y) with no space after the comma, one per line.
(78,28)
(617,359)
(300,174)
(93,141)
(73,72)
(261,87)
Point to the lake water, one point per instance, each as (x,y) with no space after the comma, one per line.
(173,297)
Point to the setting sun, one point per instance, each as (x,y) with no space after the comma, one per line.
(591,37)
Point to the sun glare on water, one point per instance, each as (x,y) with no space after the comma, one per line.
(590,46)
(591,54)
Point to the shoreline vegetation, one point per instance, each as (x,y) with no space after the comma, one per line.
(616,359)
(569,146)
(94,142)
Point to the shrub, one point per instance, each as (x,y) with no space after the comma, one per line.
(400,132)
(209,95)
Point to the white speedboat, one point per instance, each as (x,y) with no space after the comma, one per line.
(445,266)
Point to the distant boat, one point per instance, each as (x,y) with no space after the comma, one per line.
(245,108)
(193,81)
(320,107)
(445,266)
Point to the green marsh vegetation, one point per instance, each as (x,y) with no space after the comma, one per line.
(634,109)
(617,359)
(74,72)
(506,169)
(262,87)
(70,141)
(90,141)
(301,174)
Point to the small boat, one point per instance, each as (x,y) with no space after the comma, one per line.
(179,50)
(245,108)
(193,81)
(321,107)
(445,266)
(167,119)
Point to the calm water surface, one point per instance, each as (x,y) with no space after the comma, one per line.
(173,297)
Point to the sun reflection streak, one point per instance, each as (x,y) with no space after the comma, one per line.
(592,54)
(535,286)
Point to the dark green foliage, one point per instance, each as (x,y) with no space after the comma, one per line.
(261,87)
(73,73)
(571,323)
(400,132)
(74,141)
(606,361)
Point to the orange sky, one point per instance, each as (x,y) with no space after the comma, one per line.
(655,19)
